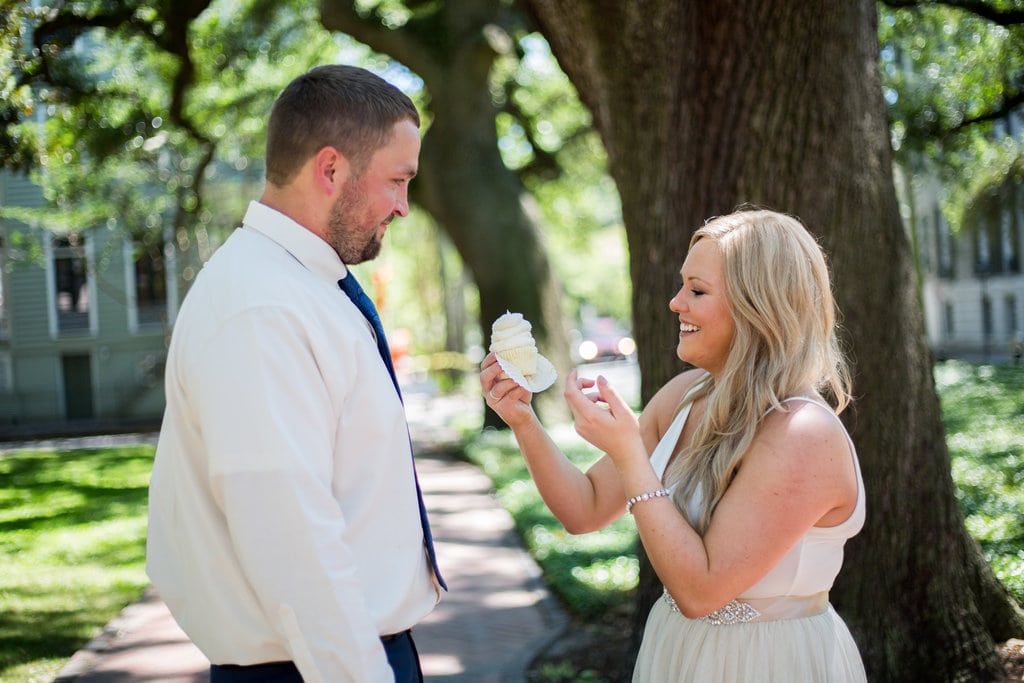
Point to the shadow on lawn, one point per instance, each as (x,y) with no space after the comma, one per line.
(59,489)
(72,523)
(37,635)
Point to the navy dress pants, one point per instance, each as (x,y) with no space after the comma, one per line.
(400,649)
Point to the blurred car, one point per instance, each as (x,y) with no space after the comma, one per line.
(604,339)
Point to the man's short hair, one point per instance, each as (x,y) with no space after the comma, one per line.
(338,106)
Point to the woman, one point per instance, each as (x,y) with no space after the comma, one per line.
(742,480)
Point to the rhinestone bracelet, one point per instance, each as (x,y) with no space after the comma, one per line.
(645,496)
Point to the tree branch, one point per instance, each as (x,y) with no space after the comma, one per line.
(941,130)
(177,17)
(64,26)
(1003,17)
(60,31)
(1004,109)
(401,44)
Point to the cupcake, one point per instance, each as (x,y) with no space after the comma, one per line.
(512,341)
(513,345)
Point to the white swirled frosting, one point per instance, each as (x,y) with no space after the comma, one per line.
(512,340)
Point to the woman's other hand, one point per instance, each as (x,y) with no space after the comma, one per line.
(603,418)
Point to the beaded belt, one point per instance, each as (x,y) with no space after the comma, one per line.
(761,609)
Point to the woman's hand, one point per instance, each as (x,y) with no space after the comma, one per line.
(503,395)
(604,419)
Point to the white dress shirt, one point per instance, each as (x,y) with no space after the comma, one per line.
(283,519)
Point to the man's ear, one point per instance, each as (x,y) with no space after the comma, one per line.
(331,169)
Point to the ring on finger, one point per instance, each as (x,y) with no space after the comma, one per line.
(491,394)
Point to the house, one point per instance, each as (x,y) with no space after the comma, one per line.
(85,320)
(972,285)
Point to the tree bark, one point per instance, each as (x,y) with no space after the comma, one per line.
(463,182)
(707,106)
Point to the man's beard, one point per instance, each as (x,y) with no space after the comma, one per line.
(346,227)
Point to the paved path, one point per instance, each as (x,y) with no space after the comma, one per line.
(495,619)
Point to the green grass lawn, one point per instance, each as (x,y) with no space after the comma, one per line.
(73,522)
(591,572)
(983,408)
(72,551)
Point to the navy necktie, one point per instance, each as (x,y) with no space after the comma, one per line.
(355,292)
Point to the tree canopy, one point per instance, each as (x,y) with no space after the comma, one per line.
(129,127)
(953,74)
(129,109)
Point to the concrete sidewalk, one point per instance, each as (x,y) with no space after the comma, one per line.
(495,619)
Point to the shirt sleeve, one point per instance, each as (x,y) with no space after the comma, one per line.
(269,433)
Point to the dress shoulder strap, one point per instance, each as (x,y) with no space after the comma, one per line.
(683,404)
(808,399)
(831,411)
(664,450)
(856,519)
(805,399)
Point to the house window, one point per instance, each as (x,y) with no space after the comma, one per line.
(6,373)
(996,247)
(1012,326)
(924,251)
(984,264)
(986,317)
(71,283)
(945,246)
(1008,233)
(4,326)
(149,284)
(947,320)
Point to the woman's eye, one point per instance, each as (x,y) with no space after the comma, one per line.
(697,292)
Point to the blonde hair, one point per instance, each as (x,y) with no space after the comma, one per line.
(777,284)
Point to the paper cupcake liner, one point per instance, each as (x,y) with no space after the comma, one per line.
(541,380)
(523,357)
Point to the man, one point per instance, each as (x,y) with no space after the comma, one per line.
(285,528)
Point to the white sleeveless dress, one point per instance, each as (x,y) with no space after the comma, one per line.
(781,630)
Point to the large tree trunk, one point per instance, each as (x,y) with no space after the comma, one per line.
(705,106)
(462,181)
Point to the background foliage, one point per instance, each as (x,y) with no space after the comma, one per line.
(117,147)
(983,410)
(113,153)
(951,76)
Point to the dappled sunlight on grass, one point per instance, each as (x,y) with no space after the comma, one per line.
(619,573)
(983,409)
(72,534)
(592,572)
